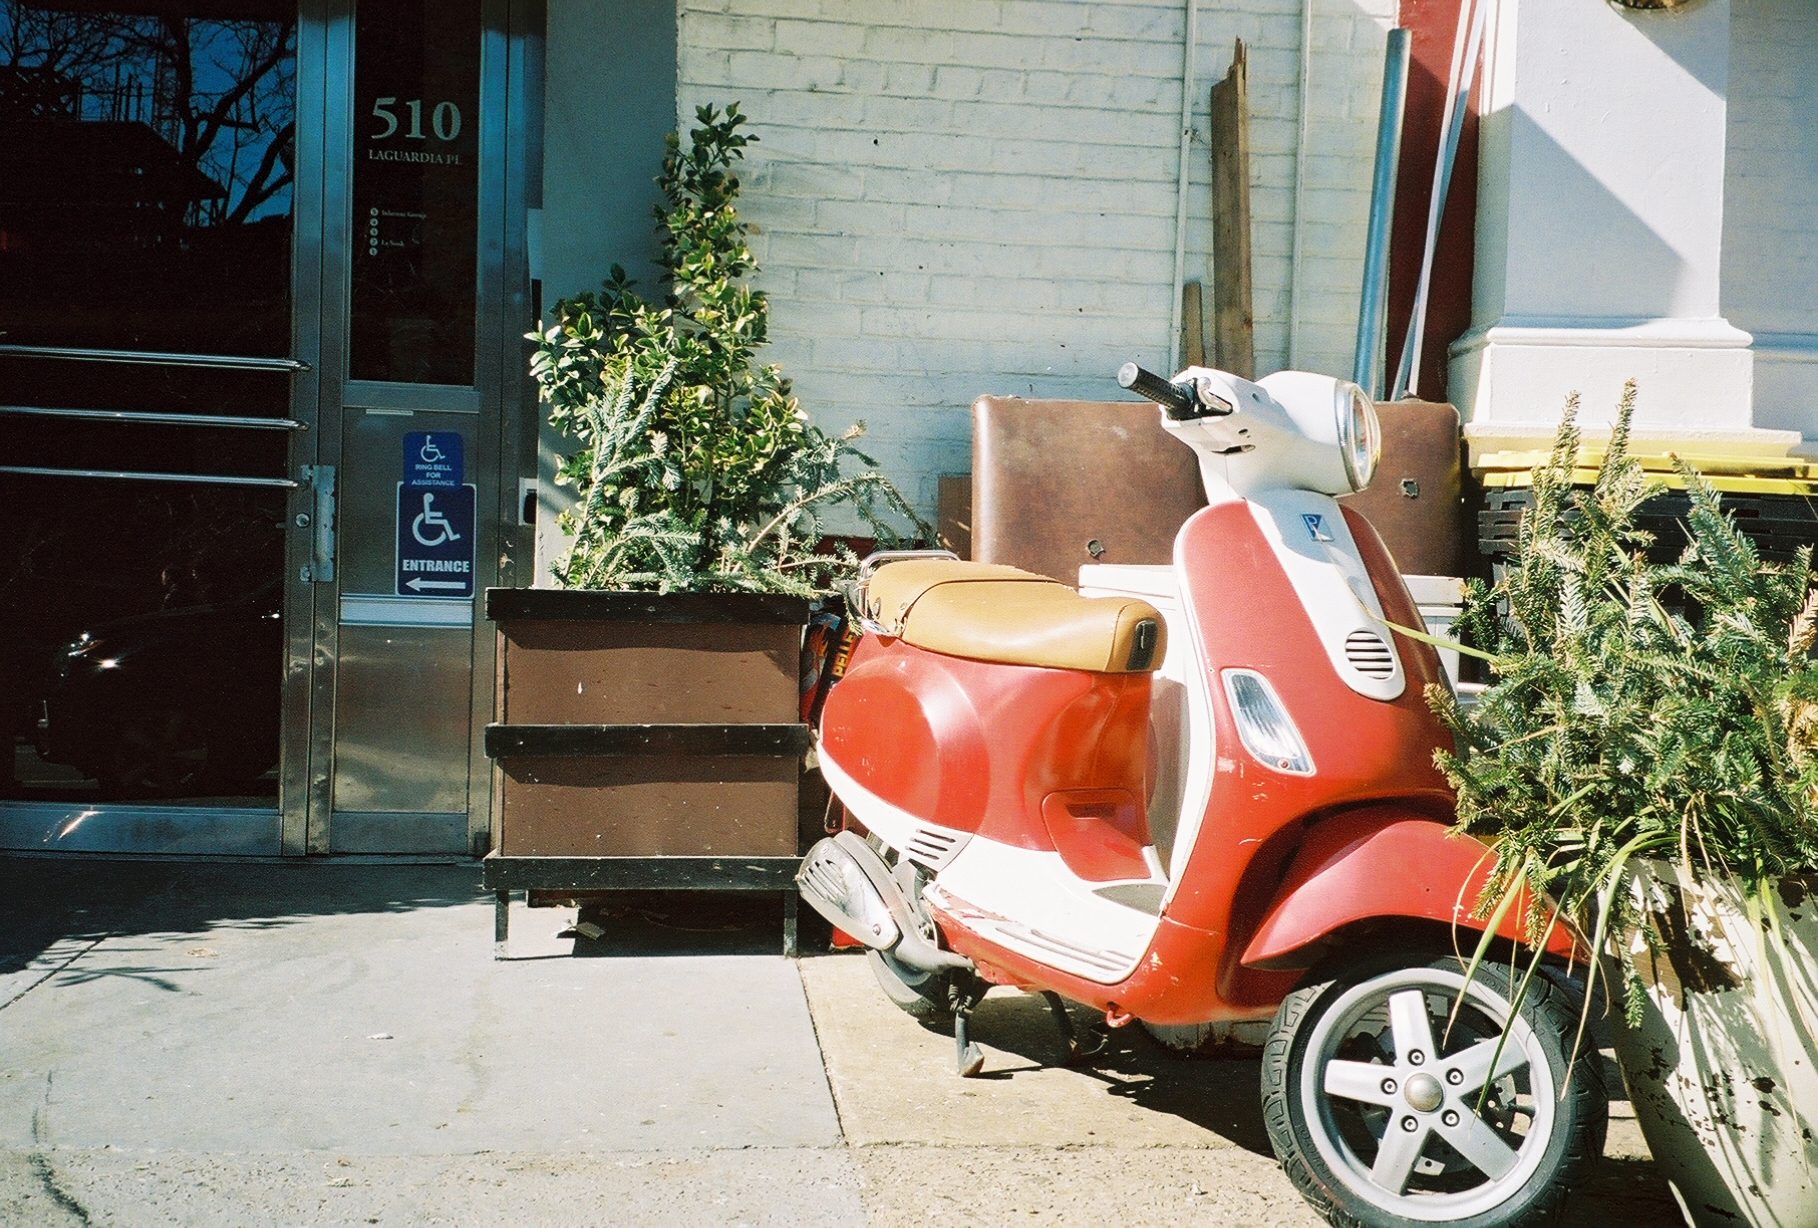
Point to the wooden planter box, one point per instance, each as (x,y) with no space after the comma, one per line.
(645,741)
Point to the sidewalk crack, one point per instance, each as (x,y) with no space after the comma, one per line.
(54,971)
(814,1025)
(40,1162)
(47,1177)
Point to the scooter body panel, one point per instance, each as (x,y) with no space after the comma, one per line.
(1354,867)
(1362,749)
(1047,760)
(1175,981)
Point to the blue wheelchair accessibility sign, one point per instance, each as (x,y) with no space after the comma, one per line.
(435,541)
(433,458)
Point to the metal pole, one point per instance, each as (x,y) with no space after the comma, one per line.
(1407,378)
(1366,364)
(1304,86)
(1402,381)
(1189,45)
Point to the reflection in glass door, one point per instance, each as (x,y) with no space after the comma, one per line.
(147,160)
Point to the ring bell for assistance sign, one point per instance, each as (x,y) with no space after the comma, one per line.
(435,519)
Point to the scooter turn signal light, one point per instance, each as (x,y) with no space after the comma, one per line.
(1268,732)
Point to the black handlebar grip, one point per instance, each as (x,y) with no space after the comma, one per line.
(1176,401)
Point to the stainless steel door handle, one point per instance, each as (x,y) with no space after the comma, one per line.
(221,362)
(321,567)
(135,475)
(137,418)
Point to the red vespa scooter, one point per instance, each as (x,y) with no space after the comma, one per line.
(1208,794)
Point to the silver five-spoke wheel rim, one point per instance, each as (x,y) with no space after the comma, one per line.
(1392,1100)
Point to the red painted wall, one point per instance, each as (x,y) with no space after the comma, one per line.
(1432,23)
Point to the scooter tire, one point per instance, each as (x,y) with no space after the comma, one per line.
(921,995)
(1578,1124)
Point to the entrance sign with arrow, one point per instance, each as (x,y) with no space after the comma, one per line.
(435,541)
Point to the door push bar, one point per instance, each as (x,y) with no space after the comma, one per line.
(320,478)
(219,362)
(134,475)
(136,418)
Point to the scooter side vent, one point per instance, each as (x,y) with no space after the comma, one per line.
(930,848)
(1369,654)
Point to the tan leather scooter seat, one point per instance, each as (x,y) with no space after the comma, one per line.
(989,612)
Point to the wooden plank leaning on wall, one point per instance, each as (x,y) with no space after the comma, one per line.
(1233,313)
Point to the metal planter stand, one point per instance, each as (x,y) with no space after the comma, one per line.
(650,796)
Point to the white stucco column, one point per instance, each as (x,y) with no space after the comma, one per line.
(1600,228)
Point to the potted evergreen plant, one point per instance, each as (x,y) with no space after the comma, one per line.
(648,728)
(1645,763)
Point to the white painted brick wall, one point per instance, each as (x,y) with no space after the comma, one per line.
(959,197)
(1770,222)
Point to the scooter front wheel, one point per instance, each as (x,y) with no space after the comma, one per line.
(1387,1112)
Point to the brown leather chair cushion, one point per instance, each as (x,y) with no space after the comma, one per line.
(996,613)
(1048,477)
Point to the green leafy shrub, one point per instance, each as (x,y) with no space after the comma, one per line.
(697,470)
(1636,709)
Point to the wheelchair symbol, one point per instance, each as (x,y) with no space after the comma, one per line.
(429,453)
(432,519)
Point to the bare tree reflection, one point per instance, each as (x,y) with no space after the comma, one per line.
(147,152)
(220,92)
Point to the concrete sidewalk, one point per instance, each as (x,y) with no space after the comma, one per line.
(329,1044)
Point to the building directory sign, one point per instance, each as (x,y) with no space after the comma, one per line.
(416,191)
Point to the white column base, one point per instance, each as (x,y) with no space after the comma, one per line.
(1692,375)
(1786,384)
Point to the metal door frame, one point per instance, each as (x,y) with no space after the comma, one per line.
(513,544)
(322,281)
(300,656)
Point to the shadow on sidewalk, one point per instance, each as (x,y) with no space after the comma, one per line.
(68,903)
(1223,1095)
(643,923)
(1216,1095)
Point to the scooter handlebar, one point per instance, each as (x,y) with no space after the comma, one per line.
(1178,401)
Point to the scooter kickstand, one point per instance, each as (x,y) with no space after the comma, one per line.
(971,1057)
(1076,1052)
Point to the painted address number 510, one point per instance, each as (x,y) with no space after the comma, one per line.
(446,119)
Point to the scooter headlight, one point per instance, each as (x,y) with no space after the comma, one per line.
(1268,732)
(1359,434)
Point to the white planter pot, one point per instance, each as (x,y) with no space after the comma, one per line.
(1723,1071)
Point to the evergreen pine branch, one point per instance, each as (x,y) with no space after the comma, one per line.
(697,469)
(1636,709)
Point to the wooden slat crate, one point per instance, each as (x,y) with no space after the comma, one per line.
(1778,524)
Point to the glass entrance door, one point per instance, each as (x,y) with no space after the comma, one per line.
(252,374)
(147,389)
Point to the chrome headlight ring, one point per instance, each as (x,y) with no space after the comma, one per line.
(1359,433)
